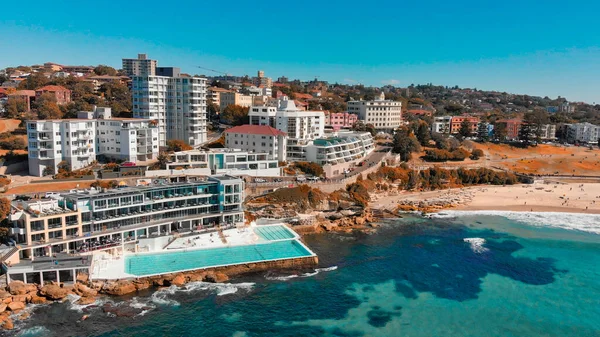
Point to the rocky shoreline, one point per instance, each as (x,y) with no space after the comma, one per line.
(17,295)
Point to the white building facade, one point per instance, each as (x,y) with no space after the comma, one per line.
(177,103)
(81,141)
(258,138)
(221,161)
(141,66)
(583,133)
(385,115)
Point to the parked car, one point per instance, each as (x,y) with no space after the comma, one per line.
(52,195)
(277,180)
(300,178)
(259,180)
(314,178)
(128,164)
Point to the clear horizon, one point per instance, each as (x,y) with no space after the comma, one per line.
(549,49)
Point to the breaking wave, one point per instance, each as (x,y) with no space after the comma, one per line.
(161,296)
(572,221)
(289,277)
(476,244)
(34,331)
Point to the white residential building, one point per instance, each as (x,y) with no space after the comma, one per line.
(258,138)
(383,114)
(583,133)
(51,141)
(222,161)
(301,126)
(92,136)
(141,66)
(339,152)
(177,102)
(441,124)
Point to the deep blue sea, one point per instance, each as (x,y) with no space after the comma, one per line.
(414,277)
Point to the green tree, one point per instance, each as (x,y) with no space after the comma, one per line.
(176,145)
(413,180)
(482,132)
(34,81)
(46,107)
(117,96)
(15,106)
(527,134)
(465,129)
(63,167)
(536,119)
(405,143)
(235,115)
(163,159)
(105,70)
(4,208)
(500,132)
(423,133)
(361,126)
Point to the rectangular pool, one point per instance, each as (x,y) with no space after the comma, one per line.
(272,233)
(162,263)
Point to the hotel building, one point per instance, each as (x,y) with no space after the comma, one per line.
(93,220)
(383,114)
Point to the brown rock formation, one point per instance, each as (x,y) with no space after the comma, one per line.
(38,299)
(179,280)
(54,292)
(20,288)
(16,306)
(86,300)
(8,324)
(3,307)
(118,288)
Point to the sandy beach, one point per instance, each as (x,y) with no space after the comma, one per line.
(542,196)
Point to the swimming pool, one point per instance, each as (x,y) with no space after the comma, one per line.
(155,264)
(272,233)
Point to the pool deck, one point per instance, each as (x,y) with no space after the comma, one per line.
(106,266)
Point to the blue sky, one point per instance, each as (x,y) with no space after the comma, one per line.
(535,47)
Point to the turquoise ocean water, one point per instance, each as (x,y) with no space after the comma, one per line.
(467,276)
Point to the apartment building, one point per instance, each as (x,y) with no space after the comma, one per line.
(300,126)
(51,141)
(583,133)
(93,220)
(258,138)
(548,132)
(62,94)
(94,135)
(456,124)
(385,115)
(234,162)
(177,102)
(141,66)
(441,124)
(234,98)
(340,120)
(512,127)
(340,152)
(213,94)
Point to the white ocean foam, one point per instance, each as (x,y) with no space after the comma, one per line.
(332,268)
(476,244)
(72,298)
(34,331)
(289,277)
(572,221)
(147,305)
(281,278)
(160,296)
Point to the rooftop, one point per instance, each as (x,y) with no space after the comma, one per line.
(256,130)
(52,88)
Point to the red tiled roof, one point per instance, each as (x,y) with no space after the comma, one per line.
(280,85)
(255,130)
(302,96)
(23,93)
(52,88)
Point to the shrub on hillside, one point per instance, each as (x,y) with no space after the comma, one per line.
(310,168)
(476,154)
(445,155)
